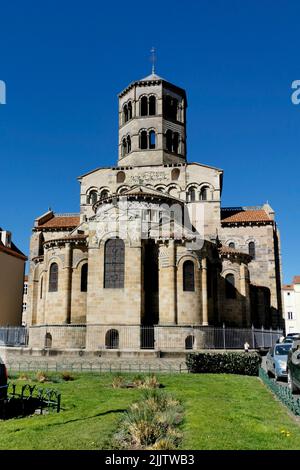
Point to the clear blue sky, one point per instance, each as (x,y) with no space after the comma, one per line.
(65,61)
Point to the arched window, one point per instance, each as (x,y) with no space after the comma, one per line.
(152,140)
(125,113)
(121,177)
(170,107)
(53,278)
(204,194)
(143,140)
(188,276)
(175,174)
(230,286)
(144,106)
(104,193)
(251,248)
(191,195)
(175,142)
(129,110)
(152,106)
(112,339)
(114,264)
(128,144)
(231,245)
(41,288)
(92,197)
(124,147)
(48,340)
(84,278)
(189,342)
(169,137)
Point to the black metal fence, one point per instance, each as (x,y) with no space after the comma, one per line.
(24,400)
(159,338)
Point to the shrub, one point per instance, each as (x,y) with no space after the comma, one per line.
(118,381)
(151,423)
(224,362)
(41,376)
(67,376)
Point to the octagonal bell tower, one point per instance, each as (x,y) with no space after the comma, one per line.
(152,123)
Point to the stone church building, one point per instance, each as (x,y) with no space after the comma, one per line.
(152,250)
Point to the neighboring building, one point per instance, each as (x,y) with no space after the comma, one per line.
(25,292)
(291,306)
(12,265)
(151,245)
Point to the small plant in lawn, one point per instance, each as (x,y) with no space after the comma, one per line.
(67,376)
(151,423)
(118,381)
(23,376)
(41,376)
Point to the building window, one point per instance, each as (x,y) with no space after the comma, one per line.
(144,106)
(128,142)
(175,174)
(92,197)
(48,340)
(129,110)
(172,141)
(84,278)
(288,293)
(169,138)
(204,194)
(170,108)
(143,140)
(152,106)
(24,306)
(188,276)
(124,147)
(125,113)
(121,177)
(189,342)
(232,245)
(25,289)
(104,194)
(112,339)
(290,315)
(114,264)
(251,248)
(41,288)
(230,286)
(152,140)
(53,278)
(191,195)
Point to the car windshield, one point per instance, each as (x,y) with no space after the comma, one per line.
(282,349)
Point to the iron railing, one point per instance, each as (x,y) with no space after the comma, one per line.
(159,338)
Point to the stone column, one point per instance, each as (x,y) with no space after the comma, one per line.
(167,284)
(68,282)
(245,292)
(204,293)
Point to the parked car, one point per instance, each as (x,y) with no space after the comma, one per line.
(276,360)
(293,367)
(291,335)
(3,380)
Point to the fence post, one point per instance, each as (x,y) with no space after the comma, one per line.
(253,337)
(263,336)
(224,337)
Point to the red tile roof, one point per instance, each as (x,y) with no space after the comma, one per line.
(61,222)
(242,216)
(296,280)
(288,287)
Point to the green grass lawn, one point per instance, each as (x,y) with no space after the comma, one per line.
(221,412)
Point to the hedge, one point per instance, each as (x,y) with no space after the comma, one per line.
(224,362)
